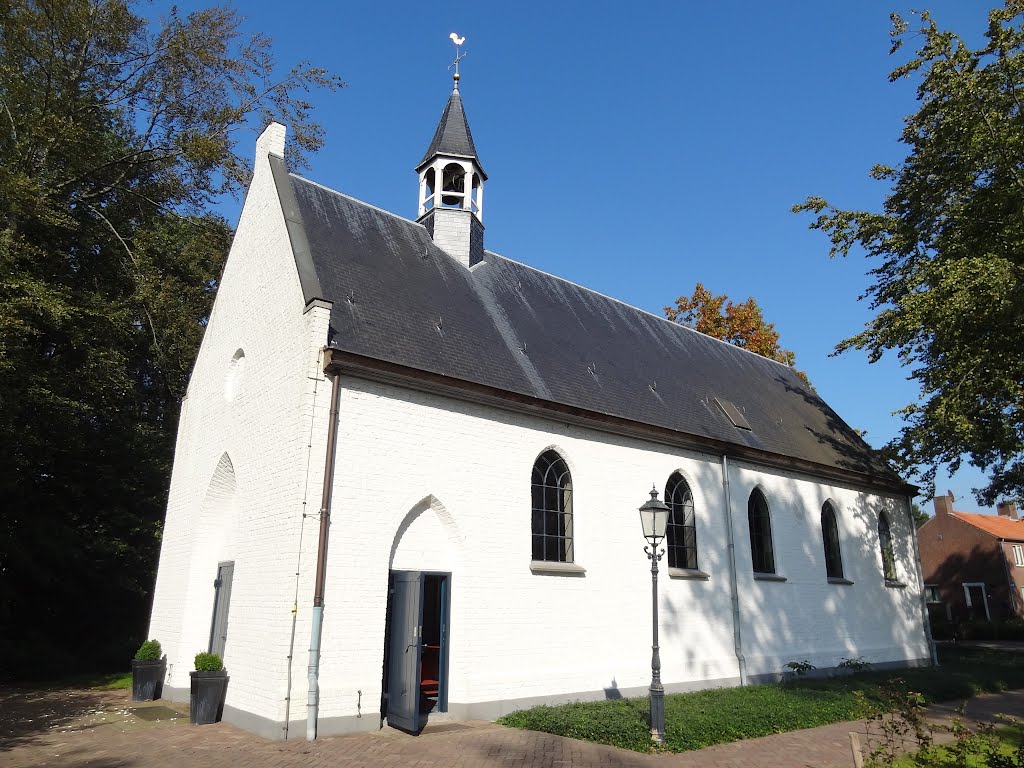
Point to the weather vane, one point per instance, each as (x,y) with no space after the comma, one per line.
(459,56)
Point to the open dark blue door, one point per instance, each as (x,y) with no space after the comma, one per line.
(404,652)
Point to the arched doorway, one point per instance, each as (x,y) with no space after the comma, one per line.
(418,630)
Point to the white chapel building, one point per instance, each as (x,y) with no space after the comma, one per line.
(408,469)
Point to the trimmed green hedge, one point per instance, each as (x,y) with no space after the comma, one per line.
(149,651)
(1012,630)
(208,662)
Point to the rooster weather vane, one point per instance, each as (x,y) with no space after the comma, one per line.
(459,56)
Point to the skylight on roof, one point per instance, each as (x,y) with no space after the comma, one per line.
(733,413)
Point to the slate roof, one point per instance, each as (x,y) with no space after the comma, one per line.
(995,525)
(452,136)
(398,298)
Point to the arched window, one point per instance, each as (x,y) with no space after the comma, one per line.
(830,536)
(681,534)
(552,509)
(760,523)
(885,544)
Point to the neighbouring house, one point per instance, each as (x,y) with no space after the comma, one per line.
(408,469)
(973,564)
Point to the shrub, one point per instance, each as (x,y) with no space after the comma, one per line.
(208,662)
(942,630)
(800,668)
(149,651)
(992,630)
(854,665)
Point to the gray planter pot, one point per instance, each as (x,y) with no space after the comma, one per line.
(206,702)
(147,679)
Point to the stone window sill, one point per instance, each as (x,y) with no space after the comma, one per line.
(556,568)
(688,573)
(839,580)
(895,584)
(769,577)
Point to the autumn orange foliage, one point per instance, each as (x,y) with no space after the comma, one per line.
(742,324)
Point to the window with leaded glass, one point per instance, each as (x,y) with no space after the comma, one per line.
(681,532)
(552,509)
(885,544)
(830,536)
(760,523)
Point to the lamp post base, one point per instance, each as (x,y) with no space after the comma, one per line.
(657,714)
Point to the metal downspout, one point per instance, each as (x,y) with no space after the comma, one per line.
(920,580)
(298,566)
(733,585)
(321,555)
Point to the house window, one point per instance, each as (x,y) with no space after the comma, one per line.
(885,545)
(552,509)
(977,600)
(1018,555)
(931,593)
(760,523)
(830,537)
(681,534)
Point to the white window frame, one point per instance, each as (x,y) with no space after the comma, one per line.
(931,593)
(1018,555)
(984,596)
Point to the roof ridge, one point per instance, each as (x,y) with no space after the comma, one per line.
(987,516)
(641,309)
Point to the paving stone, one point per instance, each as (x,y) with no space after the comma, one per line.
(90,729)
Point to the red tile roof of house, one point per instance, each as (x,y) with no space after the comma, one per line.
(994,525)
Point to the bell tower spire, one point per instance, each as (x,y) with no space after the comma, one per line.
(451,196)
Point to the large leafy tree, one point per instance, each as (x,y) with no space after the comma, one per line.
(741,324)
(116,133)
(948,247)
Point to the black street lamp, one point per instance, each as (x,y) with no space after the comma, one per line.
(654,518)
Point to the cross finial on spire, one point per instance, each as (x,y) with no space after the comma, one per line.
(459,56)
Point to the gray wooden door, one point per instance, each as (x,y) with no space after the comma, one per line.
(404,653)
(221,603)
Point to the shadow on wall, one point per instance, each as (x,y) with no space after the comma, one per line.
(612,693)
(982,565)
(712,608)
(806,616)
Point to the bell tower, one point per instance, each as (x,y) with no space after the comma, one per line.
(451,196)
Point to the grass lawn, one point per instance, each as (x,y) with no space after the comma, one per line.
(703,718)
(110,681)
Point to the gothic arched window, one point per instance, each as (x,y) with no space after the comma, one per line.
(681,533)
(830,537)
(552,509)
(885,544)
(760,522)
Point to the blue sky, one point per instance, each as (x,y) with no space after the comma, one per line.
(638,148)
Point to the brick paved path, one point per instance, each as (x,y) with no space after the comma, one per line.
(76,729)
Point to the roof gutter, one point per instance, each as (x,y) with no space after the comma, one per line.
(313,695)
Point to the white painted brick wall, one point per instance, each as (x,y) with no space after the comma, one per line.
(517,634)
(452,232)
(265,431)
